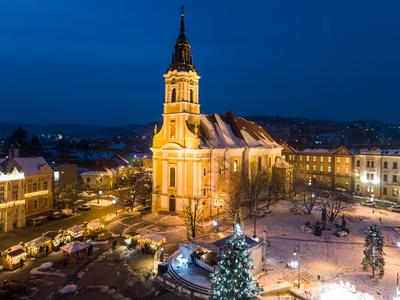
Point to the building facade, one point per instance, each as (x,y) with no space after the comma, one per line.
(194,154)
(325,166)
(12,202)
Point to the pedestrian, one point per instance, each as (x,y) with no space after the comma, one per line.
(380,220)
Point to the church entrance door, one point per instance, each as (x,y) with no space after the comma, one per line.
(172,203)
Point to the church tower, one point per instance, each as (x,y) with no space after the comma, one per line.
(178,160)
(181,115)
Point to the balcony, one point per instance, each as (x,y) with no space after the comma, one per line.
(37,193)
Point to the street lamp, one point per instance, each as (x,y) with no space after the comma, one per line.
(114,202)
(100,192)
(296,254)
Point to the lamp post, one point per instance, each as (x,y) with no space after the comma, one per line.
(99,193)
(296,253)
(114,202)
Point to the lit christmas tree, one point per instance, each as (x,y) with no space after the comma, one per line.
(233,280)
(373,252)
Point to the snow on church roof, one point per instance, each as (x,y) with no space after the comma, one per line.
(229,131)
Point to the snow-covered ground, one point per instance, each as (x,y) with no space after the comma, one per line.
(100,202)
(331,258)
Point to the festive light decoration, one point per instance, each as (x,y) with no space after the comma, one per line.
(342,291)
(233,280)
(373,252)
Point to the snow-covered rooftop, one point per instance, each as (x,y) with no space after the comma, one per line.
(31,165)
(229,131)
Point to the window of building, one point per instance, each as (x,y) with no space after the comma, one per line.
(395,192)
(308,167)
(15,193)
(394,178)
(35,204)
(314,158)
(370,164)
(205,192)
(88,179)
(347,160)
(358,163)
(338,160)
(301,157)
(44,202)
(395,165)
(370,189)
(321,159)
(172,177)
(385,164)
(385,178)
(314,167)
(329,169)
(321,168)
(329,159)
(220,170)
(347,170)
(205,171)
(191,96)
(384,191)
(34,187)
(357,187)
(2,191)
(370,176)
(259,163)
(173,95)
(235,166)
(337,170)
(307,158)
(45,185)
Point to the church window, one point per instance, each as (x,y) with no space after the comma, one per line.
(205,192)
(172,177)
(173,95)
(191,96)
(259,163)
(205,171)
(172,131)
(235,166)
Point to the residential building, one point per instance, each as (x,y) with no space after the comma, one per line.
(390,178)
(195,154)
(38,187)
(368,172)
(330,167)
(12,202)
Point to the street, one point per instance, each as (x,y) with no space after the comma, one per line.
(28,233)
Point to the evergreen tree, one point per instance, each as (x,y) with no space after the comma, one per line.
(233,280)
(373,252)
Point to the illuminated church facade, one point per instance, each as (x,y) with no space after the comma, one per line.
(194,155)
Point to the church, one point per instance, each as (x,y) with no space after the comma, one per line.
(194,154)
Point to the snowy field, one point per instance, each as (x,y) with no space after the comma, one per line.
(328,257)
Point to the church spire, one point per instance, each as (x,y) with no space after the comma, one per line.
(182,57)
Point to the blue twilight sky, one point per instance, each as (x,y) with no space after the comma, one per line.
(101,61)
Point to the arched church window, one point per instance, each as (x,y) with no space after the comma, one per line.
(191,96)
(173,95)
(172,177)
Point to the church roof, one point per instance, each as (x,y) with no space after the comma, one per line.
(182,59)
(229,131)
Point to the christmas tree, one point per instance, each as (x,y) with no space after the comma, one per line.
(373,252)
(233,280)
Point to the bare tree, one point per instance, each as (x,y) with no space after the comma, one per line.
(307,193)
(257,187)
(69,194)
(232,196)
(334,201)
(192,215)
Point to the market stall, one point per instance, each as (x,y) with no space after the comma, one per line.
(41,245)
(14,257)
(95,227)
(75,249)
(150,242)
(76,232)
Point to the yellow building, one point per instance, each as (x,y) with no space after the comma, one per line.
(330,167)
(194,154)
(12,202)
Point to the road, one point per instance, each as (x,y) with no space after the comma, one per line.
(29,232)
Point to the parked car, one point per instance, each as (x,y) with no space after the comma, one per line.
(84,207)
(394,208)
(79,202)
(67,212)
(55,215)
(368,203)
(35,221)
